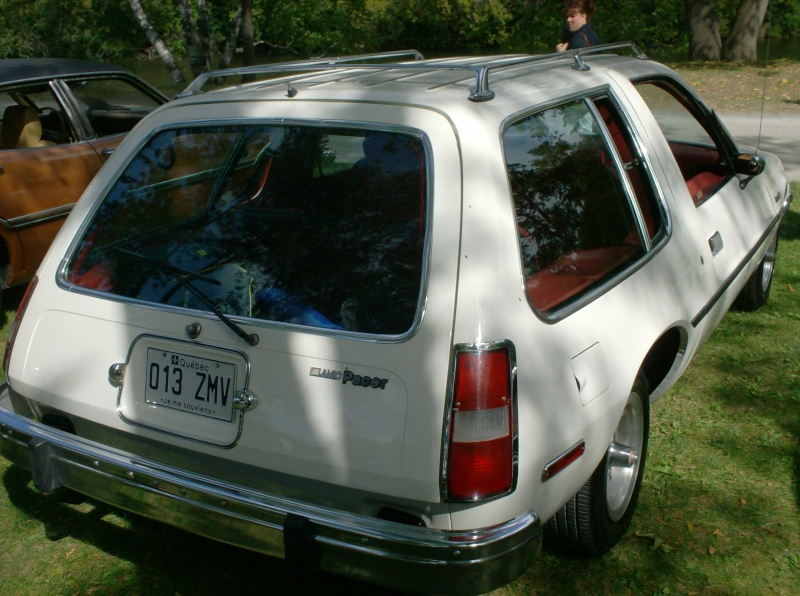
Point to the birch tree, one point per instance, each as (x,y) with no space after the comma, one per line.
(158,44)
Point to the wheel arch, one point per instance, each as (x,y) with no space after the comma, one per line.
(664,360)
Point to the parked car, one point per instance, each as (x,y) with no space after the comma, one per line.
(60,121)
(397,321)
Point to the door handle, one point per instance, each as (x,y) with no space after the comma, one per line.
(715,242)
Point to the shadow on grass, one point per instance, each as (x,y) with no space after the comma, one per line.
(168,561)
(790,226)
(758,357)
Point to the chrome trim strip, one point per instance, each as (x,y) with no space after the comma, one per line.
(369,549)
(787,201)
(263,323)
(698,318)
(40,217)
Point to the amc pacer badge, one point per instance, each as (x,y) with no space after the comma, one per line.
(348,376)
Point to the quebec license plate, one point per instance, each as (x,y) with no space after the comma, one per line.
(196,385)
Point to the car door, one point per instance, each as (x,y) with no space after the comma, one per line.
(733,218)
(108,108)
(40,182)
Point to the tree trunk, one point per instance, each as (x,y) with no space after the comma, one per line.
(230,41)
(740,46)
(193,46)
(155,40)
(248,37)
(204,33)
(704,39)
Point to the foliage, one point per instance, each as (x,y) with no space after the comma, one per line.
(106,29)
(82,29)
(315,27)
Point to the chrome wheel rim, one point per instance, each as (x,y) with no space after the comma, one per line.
(624,458)
(768,267)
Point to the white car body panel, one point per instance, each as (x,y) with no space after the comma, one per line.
(318,447)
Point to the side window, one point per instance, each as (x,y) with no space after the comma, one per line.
(635,167)
(700,159)
(32,117)
(577,227)
(112,106)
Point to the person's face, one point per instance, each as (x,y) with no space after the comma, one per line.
(576,20)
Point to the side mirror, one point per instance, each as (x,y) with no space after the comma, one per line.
(749,165)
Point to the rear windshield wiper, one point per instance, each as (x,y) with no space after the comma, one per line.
(164,266)
(182,278)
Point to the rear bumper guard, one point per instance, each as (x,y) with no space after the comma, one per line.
(308,536)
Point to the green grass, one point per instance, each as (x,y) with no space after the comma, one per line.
(719,511)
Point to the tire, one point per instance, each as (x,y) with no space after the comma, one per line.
(755,292)
(598,516)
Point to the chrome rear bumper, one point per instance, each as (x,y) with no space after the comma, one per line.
(308,536)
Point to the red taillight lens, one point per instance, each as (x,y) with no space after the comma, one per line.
(12,332)
(480,450)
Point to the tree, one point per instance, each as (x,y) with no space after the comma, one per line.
(704,39)
(740,46)
(704,31)
(198,57)
(196,25)
(230,41)
(248,36)
(155,40)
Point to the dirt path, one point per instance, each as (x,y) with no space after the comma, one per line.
(737,88)
(776,133)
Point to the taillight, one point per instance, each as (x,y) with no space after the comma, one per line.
(480,442)
(12,332)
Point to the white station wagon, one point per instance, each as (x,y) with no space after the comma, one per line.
(398,321)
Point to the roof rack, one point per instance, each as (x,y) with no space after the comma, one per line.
(311,64)
(482,92)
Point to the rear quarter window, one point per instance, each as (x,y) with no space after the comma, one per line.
(576,225)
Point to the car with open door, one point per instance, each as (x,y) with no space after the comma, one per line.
(400,321)
(61,119)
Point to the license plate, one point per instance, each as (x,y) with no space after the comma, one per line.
(196,385)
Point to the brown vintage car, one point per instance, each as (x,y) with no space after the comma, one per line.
(61,119)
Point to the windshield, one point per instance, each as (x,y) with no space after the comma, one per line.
(315,226)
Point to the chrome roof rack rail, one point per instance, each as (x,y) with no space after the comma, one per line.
(480,93)
(196,86)
(483,93)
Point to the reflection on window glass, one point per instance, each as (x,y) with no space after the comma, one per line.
(304,225)
(636,169)
(700,160)
(576,226)
(112,106)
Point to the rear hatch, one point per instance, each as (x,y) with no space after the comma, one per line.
(263,291)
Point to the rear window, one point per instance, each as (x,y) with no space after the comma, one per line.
(314,226)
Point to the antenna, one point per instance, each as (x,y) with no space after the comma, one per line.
(764,88)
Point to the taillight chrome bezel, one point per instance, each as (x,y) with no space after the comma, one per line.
(498,345)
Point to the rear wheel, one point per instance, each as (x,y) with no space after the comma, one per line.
(596,518)
(755,293)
